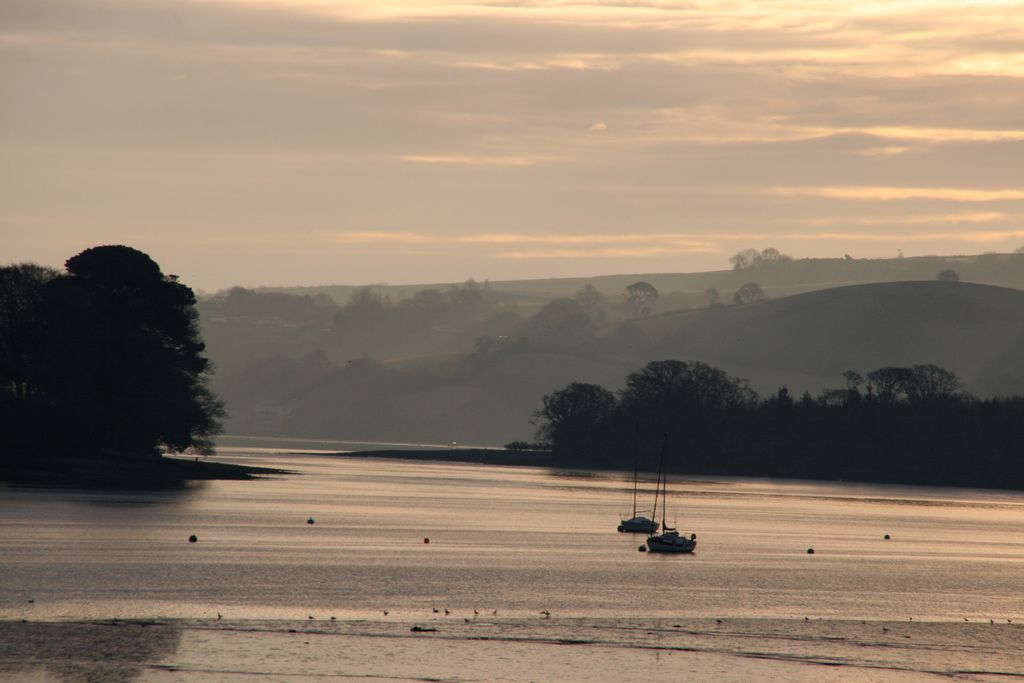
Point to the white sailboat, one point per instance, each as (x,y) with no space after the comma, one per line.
(670,540)
(638,523)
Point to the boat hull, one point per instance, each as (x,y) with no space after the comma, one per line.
(671,543)
(638,525)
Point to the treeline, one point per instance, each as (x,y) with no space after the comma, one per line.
(913,425)
(103,360)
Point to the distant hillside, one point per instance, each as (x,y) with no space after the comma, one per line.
(808,340)
(777,279)
(804,342)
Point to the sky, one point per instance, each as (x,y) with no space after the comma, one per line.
(289,142)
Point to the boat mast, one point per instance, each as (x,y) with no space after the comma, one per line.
(636,465)
(663,476)
(658,487)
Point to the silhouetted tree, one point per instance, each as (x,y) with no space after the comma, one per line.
(639,295)
(889,384)
(929,430)
(948,275)
(713,296)
(748,293)
(119,361)
(569,415)
(677,384)
(927,383)
(854,380)
(21,293)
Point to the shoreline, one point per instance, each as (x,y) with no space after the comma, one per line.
(476,456)
(147,473)
(545,459)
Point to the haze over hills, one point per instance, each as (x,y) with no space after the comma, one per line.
(687,289)
(471,364)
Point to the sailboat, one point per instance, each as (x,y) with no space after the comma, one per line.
(669,541)
(637,523)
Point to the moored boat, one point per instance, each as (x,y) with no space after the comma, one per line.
(670,540)
(637,524)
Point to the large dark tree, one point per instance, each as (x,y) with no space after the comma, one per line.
(570,414)
(21,291)
(117,368)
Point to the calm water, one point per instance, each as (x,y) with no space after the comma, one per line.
(513,539)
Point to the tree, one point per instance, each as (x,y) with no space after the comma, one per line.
(930,383)
(676,384)
(713,296)
(639,295)
(561,322)
(592,301)
(121,364)
(571,414)
(21,291)
(890,383)
(747,258)
(854,381)
(751,258)
(366,302)
(748,293)
(948,275)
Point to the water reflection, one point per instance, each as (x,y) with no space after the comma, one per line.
(85,652)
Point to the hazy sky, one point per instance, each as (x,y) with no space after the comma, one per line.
(319,141)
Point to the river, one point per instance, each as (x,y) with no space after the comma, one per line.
(523,560)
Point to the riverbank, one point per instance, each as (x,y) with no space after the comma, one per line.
(152,473)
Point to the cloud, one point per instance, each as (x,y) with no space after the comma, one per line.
(946,194)
(469,160)
(510,131)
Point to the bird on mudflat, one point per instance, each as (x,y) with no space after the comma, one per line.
(545,613)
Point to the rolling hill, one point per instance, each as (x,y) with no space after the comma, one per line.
(804,342)
(808,340)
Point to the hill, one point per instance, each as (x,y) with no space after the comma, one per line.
(777,279)
(808,340)
(486,397)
